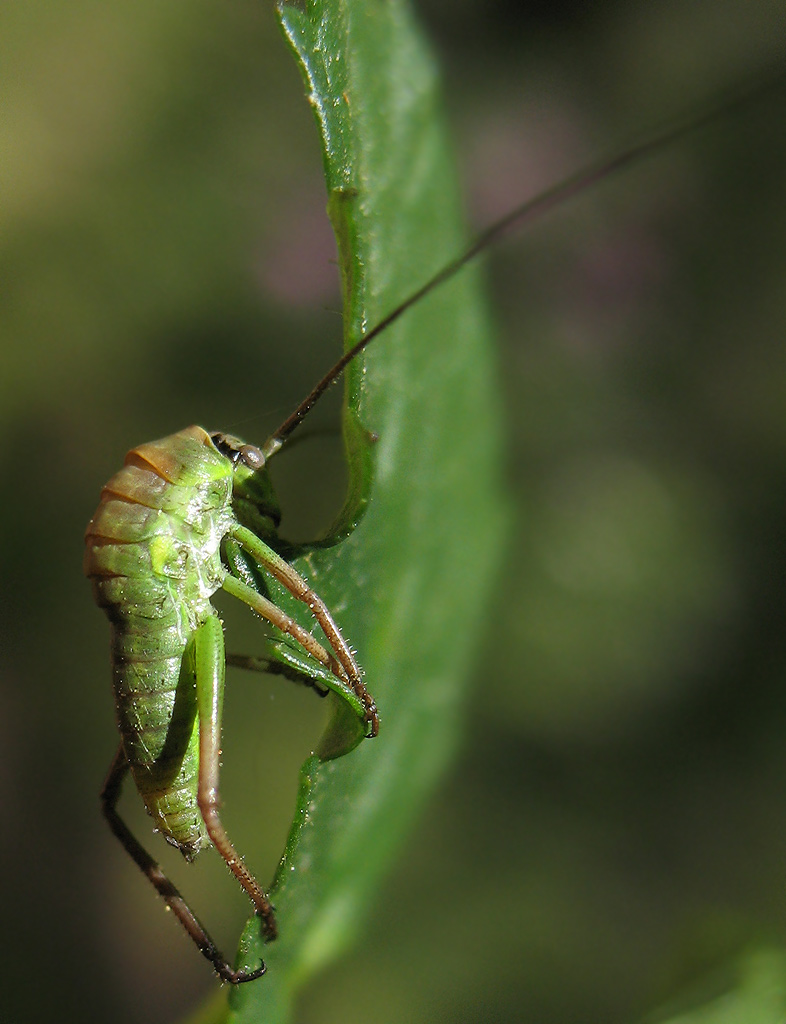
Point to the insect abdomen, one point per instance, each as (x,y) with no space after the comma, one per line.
(153,554)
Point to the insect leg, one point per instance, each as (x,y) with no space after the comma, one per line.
(297,586)
(270,666)
(110,794)
(320,675)
(317,663)
(272,613)
(209,663)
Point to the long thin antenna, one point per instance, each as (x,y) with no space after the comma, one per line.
(527,212)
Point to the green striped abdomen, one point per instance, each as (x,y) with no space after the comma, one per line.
(153,554)
(155,702)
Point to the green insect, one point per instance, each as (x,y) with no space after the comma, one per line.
(187,516)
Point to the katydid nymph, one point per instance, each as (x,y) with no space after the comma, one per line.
(187,516)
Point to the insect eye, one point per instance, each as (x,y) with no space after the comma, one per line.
(252,456)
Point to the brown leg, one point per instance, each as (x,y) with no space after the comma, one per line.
(300,589)
(151,869)
(272,613)
(210,661)
(253,663)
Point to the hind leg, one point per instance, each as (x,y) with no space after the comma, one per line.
(110,794)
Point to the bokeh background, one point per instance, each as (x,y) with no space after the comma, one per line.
(616,826)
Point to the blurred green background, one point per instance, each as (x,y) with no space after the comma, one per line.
(617,823)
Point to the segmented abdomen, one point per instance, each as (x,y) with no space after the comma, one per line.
(153,555)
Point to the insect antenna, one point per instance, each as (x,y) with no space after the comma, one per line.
(527,212)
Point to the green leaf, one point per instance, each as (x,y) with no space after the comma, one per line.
(757,995)
(410,586)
